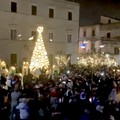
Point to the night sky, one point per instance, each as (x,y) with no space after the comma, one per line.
(90,10)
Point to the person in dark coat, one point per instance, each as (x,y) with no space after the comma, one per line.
(3,79)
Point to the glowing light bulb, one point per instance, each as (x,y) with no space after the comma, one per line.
(39,57)
(45,53)
(39,47)
(31,38)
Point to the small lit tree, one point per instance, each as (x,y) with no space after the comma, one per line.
(62,59)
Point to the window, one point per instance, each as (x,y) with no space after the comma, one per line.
(50,57)
(34,35)
(69,15)
(84,33)
(13,7)
(116,51)
(51,13)
(34,10)
(93,32)
(13,34)
(51,35)
(108,35)
(69,38)
(109,21)
(13,59)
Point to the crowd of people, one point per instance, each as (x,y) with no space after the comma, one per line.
(73,95)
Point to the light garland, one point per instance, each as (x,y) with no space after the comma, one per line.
(39,58)
(62,60)
(96,60)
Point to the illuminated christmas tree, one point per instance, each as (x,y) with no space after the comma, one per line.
(39,58)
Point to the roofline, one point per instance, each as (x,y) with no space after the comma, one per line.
(111,17)
(89,25)
(70,2)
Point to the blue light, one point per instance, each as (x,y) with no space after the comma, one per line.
(83,45)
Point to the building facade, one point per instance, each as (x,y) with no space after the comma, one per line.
(103,37)
(19,22)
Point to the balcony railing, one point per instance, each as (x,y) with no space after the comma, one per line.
(110,40)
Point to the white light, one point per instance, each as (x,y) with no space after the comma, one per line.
(38,40)
(31,38)
(53,66)
(40,29)
(107,55)
(45,57)
(102,46)
(45,53)
(20,74)
(68,72)
(39,47)
(12,68)
(36,64)
(78,58)
(19,35)
(83,47)
(51,40)
(64,82)
(3,63)
(85,42)
(32,63)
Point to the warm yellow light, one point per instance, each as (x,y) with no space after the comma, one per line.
(20,74)
(31,38)
(45,53)
(118,70)
(97,60)
(25,67)
(39,47)
(19,35)
(62,60)
(25,64)
(36,64)
(13,68)
(51,40)
(53,66)
(3,63)
(39,58)
(40,29)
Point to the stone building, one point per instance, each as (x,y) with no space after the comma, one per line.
(19,20)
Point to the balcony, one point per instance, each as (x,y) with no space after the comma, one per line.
(114,41)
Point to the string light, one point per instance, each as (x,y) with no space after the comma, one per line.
(39,58)
(62,60)
(97,60)
(2,63)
